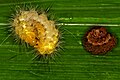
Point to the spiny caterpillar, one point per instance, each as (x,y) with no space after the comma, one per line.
(35,29)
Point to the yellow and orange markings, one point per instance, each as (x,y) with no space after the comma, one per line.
(36,30)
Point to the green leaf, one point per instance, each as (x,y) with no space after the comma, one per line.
(74,63)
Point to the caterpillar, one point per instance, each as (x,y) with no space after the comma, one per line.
(98,40)
(36,30)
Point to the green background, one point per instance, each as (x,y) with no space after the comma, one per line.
(74,62)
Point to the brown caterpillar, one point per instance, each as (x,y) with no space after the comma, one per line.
(98,41)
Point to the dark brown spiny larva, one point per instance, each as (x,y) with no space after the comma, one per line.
(98,41)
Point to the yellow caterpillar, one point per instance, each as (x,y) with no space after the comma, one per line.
(36,30)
